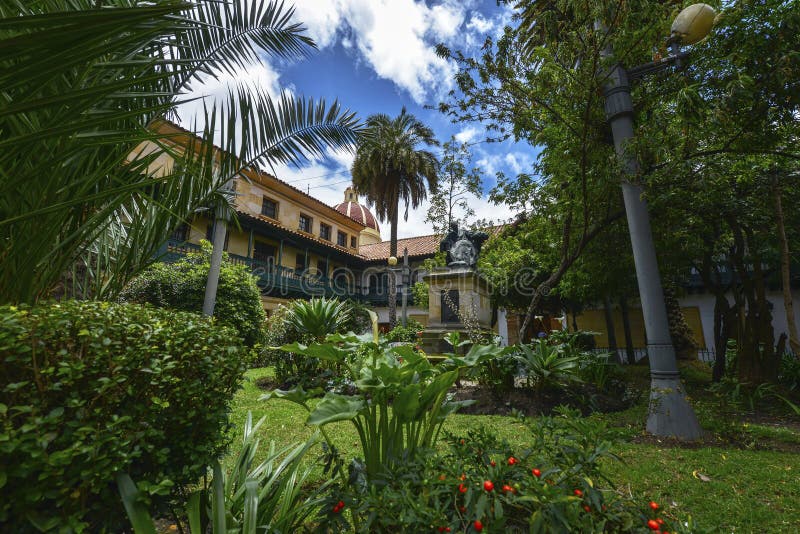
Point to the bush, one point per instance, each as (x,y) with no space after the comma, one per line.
(406,334)
(93,388)
(182,286)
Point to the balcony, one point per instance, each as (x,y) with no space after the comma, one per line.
(279,281)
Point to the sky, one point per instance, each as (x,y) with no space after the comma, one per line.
(377,56)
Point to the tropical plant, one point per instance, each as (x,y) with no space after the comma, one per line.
(271,496)
(401,399)
(181,286)
(405,334)
(85,85)
(390,168)
(89,389)
(318,317)
(546,366)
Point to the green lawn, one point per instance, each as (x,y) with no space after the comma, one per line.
(741,490)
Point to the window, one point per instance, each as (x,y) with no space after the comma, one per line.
(263,252)
(322,267)
(269,208)
(181,233)
(353,241)
(300,263)
(341,239)
(306,223)
(325,231)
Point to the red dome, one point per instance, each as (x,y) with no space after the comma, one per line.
(356,211)
(360,213)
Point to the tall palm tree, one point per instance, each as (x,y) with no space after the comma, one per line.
(82,83)
(391,166)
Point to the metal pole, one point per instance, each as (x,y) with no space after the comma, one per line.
(406,282)
(670,413)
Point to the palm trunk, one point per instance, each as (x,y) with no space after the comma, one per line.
(788,305)
(392,279)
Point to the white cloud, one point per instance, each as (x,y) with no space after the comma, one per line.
(468,134)
(480,24)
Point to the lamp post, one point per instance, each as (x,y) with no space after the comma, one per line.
(670,413)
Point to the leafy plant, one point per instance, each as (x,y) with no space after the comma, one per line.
(401,399)
(546,366)
(317,317)
(268,497)
(407,334)
(181,286)
(93,388)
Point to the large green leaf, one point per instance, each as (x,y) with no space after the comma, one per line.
(137,512)
(323,351)
(334,408)
(406,404)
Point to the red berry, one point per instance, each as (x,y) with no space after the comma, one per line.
(578,492)
(462,477)
(462,509)
(536,473)
(659,521)
(478,525)
(462,442)
(653,505)
(340,504)
(488,485)
(493,463)
(652,524)
(440,529)
(462,488)
(586,507)
(507,488)
(447,529)
(512,460)
(336,509)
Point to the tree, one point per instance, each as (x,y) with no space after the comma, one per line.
(450,203)
(391,167)
(84,83)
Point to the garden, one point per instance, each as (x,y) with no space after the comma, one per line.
(151,392)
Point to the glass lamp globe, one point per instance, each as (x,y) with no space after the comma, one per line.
(693,23)
(392,261)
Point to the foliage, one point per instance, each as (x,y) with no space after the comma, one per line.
(93,388)
(318,317)
(398,377)
(555,486)
(86,86)
(390,167)
(406,334)
(450,203)
(789,373)
(271,495)
(547,366)
(181,286)
(421,291)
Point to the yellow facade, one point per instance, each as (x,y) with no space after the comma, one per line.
(594,321)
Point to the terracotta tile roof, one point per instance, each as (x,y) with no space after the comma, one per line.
(425,245)
(417,246)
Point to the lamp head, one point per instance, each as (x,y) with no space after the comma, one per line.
(693,23)
(392,261)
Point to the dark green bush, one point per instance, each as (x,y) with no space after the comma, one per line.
(407,334)
(93,388)
(182,285)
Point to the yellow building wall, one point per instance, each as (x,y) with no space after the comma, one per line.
(594,321)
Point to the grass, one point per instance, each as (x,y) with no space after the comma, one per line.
(744,487)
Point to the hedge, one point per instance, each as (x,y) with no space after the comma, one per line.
(89,389)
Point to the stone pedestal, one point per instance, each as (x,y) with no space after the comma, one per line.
(468,291)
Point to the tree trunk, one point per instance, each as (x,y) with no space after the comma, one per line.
(612,335)
(722,327)
(788,305)
(626,326)
(392,279)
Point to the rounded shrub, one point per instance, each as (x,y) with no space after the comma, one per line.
(182,286)
(90,389)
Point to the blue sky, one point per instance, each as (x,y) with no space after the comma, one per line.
(376,56)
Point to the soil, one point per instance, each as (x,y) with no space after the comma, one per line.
(584,398)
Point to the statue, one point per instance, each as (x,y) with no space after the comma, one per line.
(462,246)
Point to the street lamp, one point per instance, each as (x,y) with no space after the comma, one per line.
(670,413)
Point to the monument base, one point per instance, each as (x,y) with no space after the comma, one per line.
(456,295)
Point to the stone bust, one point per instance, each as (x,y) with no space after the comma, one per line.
(462,246)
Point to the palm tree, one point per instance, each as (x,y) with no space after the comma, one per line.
(390,168)
(82,84)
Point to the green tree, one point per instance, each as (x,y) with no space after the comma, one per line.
(450,203)
(84,83)
(392,167)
